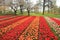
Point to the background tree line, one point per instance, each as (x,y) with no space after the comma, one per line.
(27,5)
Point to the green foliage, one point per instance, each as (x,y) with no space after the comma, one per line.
(31,14)
(46,14)
(0,12)
(59,10)
(9,13)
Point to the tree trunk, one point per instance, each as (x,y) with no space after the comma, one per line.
(48,6)
(28,12)
(43,7)
(15,11)
(21,9)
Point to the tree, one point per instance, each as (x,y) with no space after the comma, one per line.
(48,3)
(36,8)
(9,3)
(21,4)
(59,10)
(13,6)
(2,6)
(28,6)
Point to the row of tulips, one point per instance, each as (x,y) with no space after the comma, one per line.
(8,22)
(12,26)
(45,31)
(31,33)
(53,25)
(7,18)
(2,17)
(56,20)
(13,34)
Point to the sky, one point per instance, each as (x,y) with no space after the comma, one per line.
(34,1)
(57,2)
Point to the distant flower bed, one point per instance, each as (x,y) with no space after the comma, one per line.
(27,28)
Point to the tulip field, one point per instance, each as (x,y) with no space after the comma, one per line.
(29,28)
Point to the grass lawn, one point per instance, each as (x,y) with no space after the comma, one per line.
(37,14)
(50,15)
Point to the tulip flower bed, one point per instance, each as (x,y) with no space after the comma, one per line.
(31,33)
(53,25)
(28,28)
(8,22)
(45,32)
(13,34)
(2,17)
(56,20)
(10,27)
(9,18)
